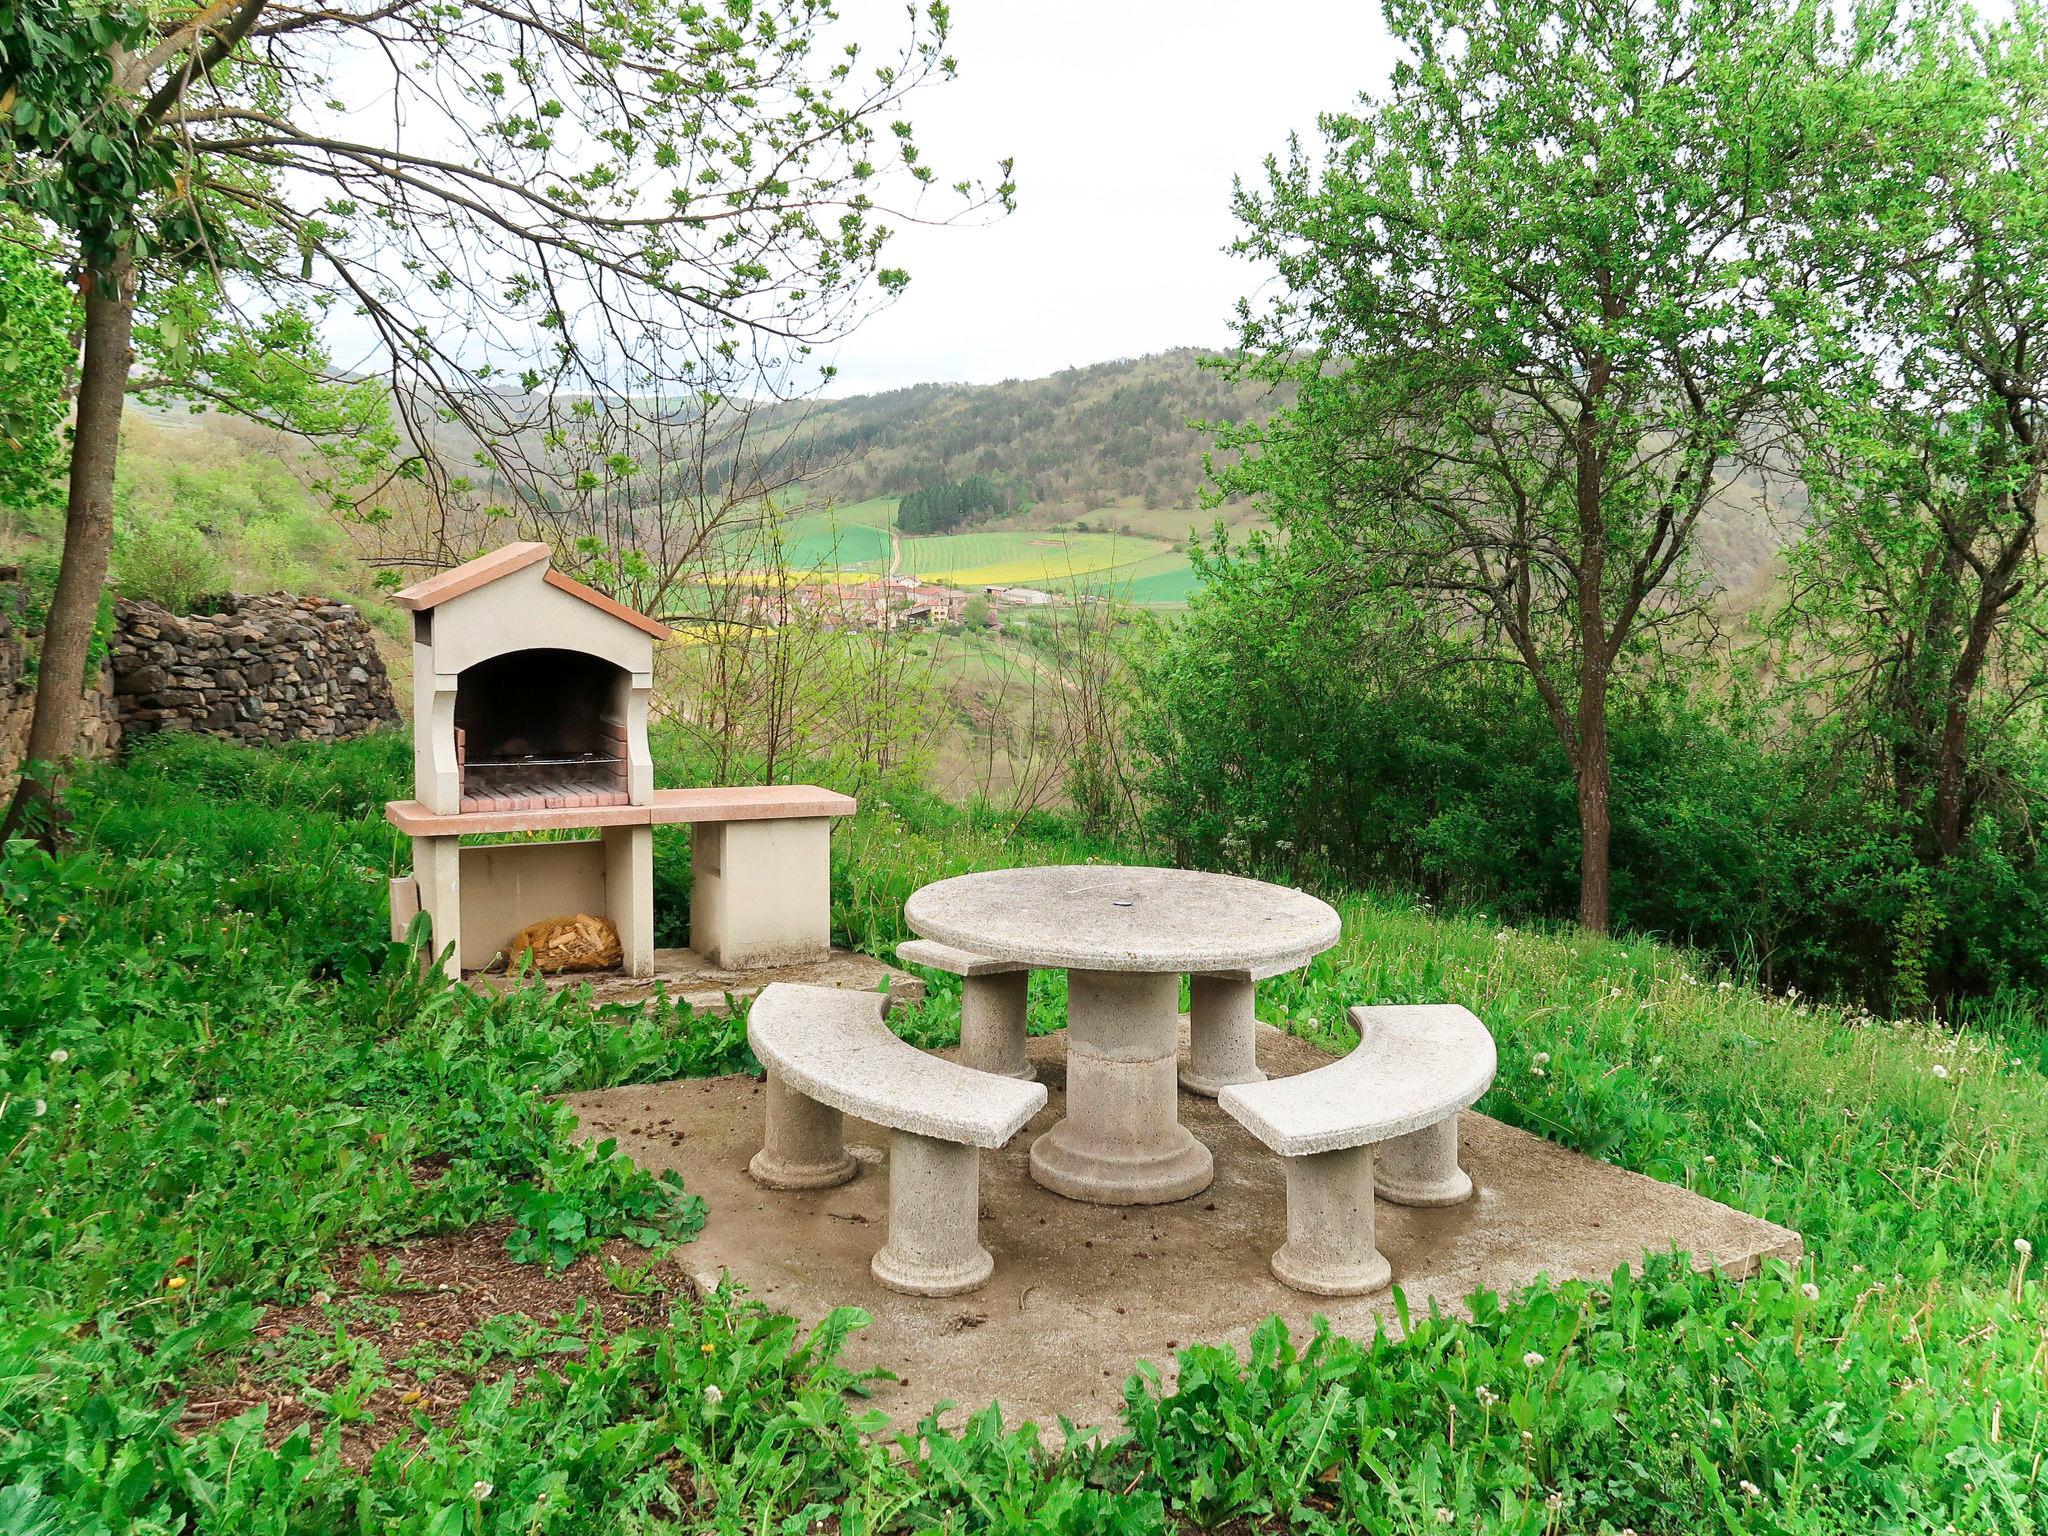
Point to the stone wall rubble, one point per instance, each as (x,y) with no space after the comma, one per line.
(267,668)
(264,668)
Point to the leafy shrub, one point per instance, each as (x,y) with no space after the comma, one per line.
(588,1193)
(1286,730)
(168,563)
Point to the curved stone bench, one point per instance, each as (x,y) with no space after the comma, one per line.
(829,1054)
(1400,1091)
(993,997)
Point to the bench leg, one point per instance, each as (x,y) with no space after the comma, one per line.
(1332,1247)
(802,1147)
(992,1013)
(629,895)
(934,1210)
(1421,1168)
(405,905)
(1223,1035)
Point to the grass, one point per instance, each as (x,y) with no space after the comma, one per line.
(228,1113)
(1163,581)
(850,538)
(1020,557)
(855,539)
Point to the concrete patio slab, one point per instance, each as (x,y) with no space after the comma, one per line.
(1082,1293)
(705,986)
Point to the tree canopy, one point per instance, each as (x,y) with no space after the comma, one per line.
(38,315)
(1919,607)
(1538,302)
(514,214)
(951,503)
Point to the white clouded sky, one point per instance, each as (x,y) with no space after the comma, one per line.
(1128,119)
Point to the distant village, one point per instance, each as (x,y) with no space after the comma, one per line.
(889,603)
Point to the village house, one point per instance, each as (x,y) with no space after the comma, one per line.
(892,602)
(1022,597)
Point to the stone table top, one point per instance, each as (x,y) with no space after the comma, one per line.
(1093,917)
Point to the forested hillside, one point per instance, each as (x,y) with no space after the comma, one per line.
(1117,434)
(1080,439)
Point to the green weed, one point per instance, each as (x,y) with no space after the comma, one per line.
(214,1073)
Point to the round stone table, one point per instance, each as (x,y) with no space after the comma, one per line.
(1125,937)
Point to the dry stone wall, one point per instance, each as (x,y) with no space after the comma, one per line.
(264,668)
(99,726)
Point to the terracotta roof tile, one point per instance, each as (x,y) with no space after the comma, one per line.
(468,576)
(485,569)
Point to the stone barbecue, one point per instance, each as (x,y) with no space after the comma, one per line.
(530,704)
(530,689)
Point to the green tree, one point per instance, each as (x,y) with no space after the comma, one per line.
(507,205)
(1539,302)
(948,504)
(1920,601)
(37,316)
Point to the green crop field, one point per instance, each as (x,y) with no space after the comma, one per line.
(1020,557)
(1163,581)
(855,539)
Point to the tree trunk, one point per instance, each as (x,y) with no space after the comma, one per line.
(1595,821)
(1997,589)
(88,540)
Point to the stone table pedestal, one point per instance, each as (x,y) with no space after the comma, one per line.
(1122,1142)
(1125,937)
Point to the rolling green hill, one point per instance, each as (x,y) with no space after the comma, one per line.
(1113,434)
(1109,448)
(1105,449)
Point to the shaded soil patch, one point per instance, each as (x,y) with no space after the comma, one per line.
(419,1306)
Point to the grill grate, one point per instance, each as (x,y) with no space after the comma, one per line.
(544,781)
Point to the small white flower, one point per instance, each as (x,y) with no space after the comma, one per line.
(219,1100)
(1940,1071)
(1724,986)
(1810,1291)
(1501,937)
(1444,1516)
(1543,1058)
(480,1490)
(1532,1360)
(43,1108)
(1488,1397)
(60,1056)
(713,1396)
(1749,1489)
(1614,991)
(2020,1245)
(1710,1159)
(1555,1502)
(1536,1072)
